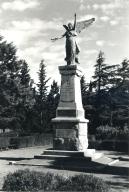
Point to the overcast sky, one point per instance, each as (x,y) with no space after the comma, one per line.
(30,24)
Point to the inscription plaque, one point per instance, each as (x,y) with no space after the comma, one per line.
(67,89)
(65,133)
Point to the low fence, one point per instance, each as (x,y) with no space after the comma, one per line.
(111,145)
(26,141)
(4,142)
(47,139)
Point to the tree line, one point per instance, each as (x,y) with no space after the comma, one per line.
(27,107)
(106,97)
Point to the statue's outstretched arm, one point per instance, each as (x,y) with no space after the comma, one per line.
(74,26)
(57,38)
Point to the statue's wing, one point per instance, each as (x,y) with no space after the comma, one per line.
(83,24)
(65,26)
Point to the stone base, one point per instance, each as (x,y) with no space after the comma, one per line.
(70,134)
(88,155)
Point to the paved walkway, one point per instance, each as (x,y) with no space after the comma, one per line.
(117,175)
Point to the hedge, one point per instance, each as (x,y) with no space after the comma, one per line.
(26,180)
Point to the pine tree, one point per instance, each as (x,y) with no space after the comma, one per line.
(42,85)
(119,96)
(99,72)
(16,97)
(41,97)
(103,82)
(9,71)
(104,74)
(123,74)
(24,73)
(27,99)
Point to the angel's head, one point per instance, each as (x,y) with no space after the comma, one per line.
(70,26)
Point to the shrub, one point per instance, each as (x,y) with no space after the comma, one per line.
(113,138)
(108,132)
(25,180)
(81,182)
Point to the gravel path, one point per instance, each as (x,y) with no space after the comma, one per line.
(119,182)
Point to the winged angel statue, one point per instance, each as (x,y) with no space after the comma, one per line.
(72,30)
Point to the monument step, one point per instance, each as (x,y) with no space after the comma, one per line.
(77,154)
(61,157)
(95,156)
(89,154)
(64,153)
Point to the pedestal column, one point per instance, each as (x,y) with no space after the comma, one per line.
(70,126)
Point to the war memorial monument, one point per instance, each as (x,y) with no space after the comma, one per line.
(70,126)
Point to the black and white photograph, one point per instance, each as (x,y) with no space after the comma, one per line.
(64,95)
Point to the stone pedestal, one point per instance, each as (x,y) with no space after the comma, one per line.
(70,126)
(70,142)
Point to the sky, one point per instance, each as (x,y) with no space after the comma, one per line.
(30,24)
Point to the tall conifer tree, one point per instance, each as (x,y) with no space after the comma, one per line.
(9,71)
(41,98)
